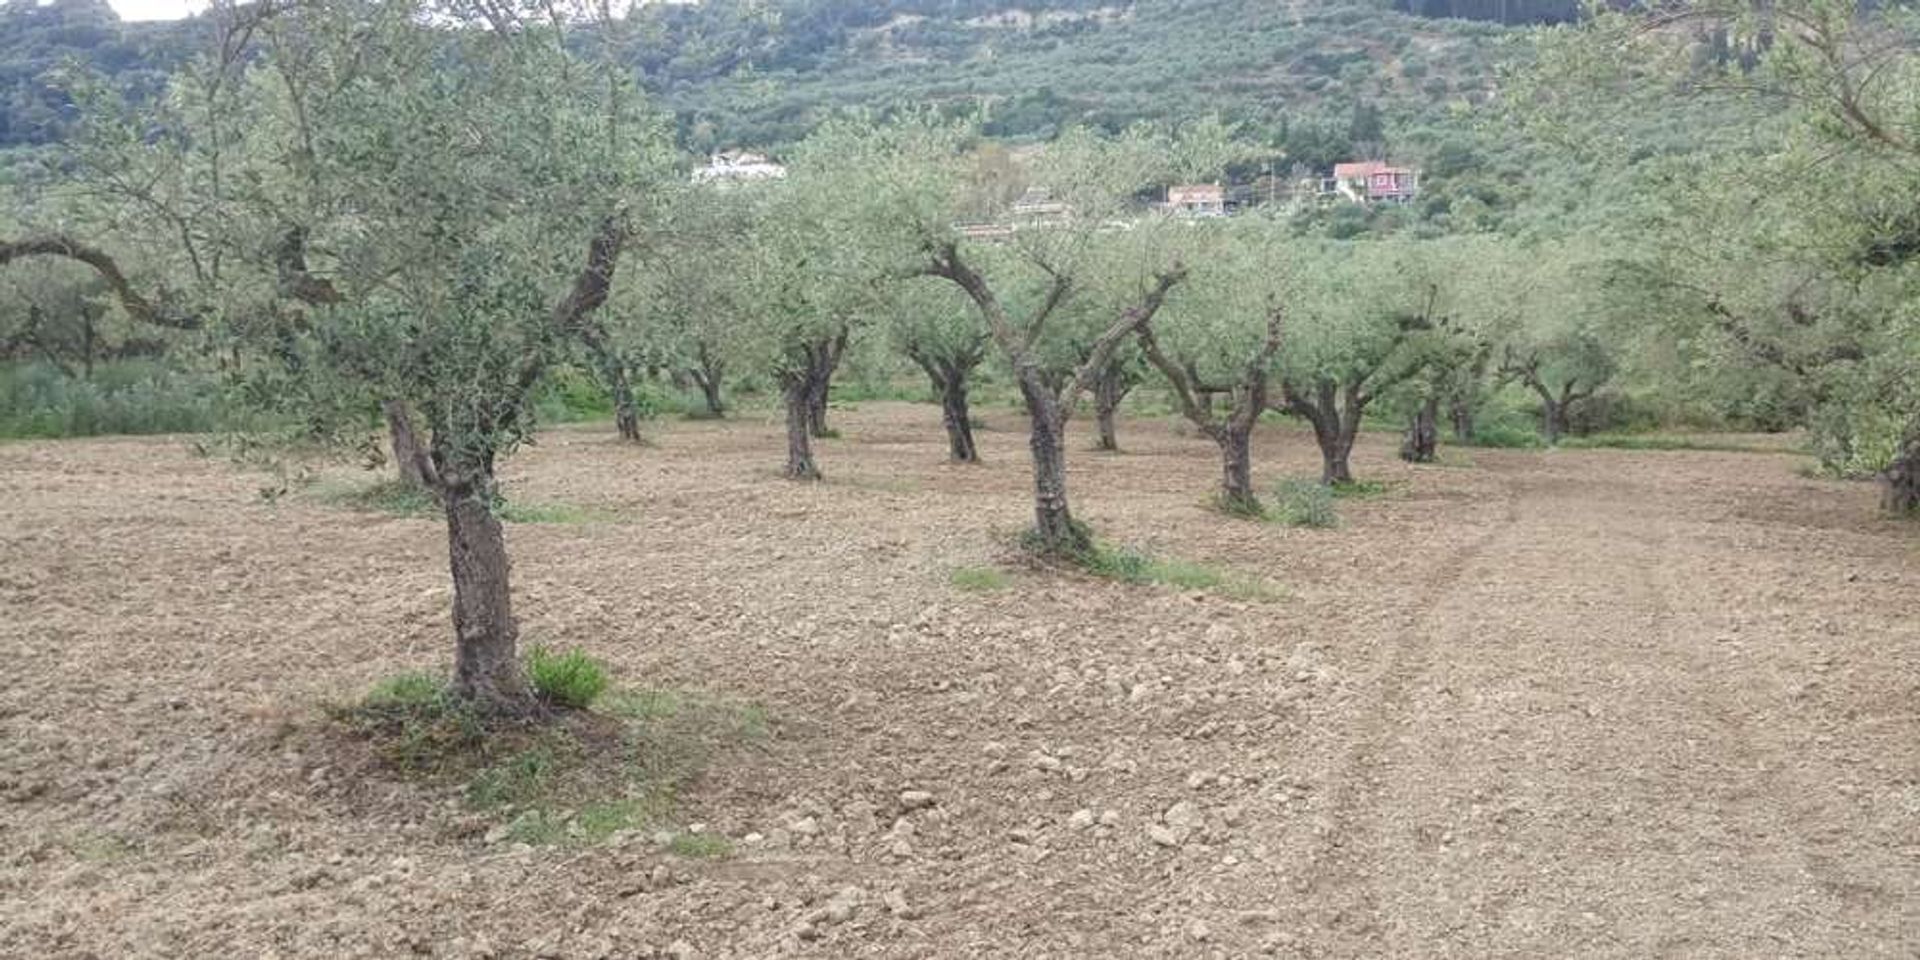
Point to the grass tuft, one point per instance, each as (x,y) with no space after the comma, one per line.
(570,679)
(569,777)
(979,579)
(700,846)
(1304,503)
(1128,565)
(1361,489)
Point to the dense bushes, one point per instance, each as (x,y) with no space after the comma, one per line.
(123,397)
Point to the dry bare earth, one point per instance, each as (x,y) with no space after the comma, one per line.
(1581,703)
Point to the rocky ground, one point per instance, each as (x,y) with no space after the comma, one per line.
(1575,703)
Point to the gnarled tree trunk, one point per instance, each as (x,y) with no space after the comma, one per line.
(1053,522)
(1423,433)
(1334,413)
(486,667)
(1236,461)
(825,360)
(949,374)
(708,376)
(1900,482)
(409,456)
(958,419)
(1553,417)
(797,389)
(1109,390)
(626,412)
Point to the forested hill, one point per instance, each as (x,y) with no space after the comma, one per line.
(746,71)
(37,38)
(1316,74)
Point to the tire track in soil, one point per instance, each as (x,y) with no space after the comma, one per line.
(1582,775)
(1331,875)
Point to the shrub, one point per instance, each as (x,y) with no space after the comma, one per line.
(1304,503)
(1506,435)
(570,679)
(122,397)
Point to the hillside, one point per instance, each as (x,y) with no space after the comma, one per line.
(1311,74)
(1314,75)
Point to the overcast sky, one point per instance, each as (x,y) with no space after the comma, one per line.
(155,9)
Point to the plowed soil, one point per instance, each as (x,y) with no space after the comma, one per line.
(1525,704)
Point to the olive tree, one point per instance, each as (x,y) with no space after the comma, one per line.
(411,214)
(1220,337)
(939,330)
(1355,335)
(1092,179)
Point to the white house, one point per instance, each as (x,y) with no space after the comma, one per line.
(738,167)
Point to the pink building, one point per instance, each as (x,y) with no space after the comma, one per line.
(1375,182)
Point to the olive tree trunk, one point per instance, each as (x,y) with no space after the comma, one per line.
(409,456)
(1900,482)
(797,390)
(1109,390)
(1236,461)
(1423,433)
(626,412)
(958,419)
(825,359)
(950,374)
(708,375)
(1334,412)
(486,667)
(1054,528)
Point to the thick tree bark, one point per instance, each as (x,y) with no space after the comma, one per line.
(1553,416)
(1236,460)
(1053,522)
(1109,390)
(486,666)
(626,412)
(710,392)
(957,418)
(708,375)
(1900,482)
(798,393)
(950,375)
(409,456)
(1334,415)
(825,361)
(1423,433)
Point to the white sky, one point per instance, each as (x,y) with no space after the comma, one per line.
(155,9)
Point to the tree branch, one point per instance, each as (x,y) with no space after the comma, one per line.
(136,305)
(1134,319)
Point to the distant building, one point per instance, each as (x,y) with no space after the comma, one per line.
(738,167)
(1037,203)
(1198,200)
(1372,181)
